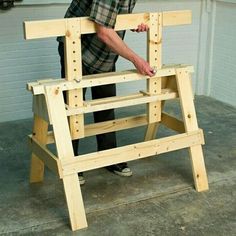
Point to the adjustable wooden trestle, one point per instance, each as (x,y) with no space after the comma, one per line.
(67,120)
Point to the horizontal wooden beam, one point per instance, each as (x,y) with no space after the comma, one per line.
(115,125)
(118,102)
(131,152)
(108,126)
(54,28)
(171,18)
(104,78)
(50,160)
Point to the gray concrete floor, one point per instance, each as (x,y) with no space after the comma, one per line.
(159,199)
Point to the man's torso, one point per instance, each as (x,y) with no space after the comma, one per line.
(97,57)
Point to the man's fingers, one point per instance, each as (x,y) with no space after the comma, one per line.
(149,72)
(141,28)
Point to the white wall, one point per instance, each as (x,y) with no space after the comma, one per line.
(223,76)
(208,44)
(23,61)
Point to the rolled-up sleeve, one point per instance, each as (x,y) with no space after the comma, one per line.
(104,12)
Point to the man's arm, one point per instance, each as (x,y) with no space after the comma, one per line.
(116,44)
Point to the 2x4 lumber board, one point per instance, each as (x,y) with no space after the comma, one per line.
(186,100)
(151,130)
(40,131)
(113,103)
(54,28)
(190,122)
(115,125)
(172,123)
(46,156)
(172,18)
(57,112)
(75,202)
(73,69)
(40,107)
(155,60)
(65,151)
(131,152)
(128,76)
(199,169)
(104,78)
(109,126)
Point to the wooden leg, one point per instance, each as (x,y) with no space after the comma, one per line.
(190,123)
(198,167)
(40,130)
(75,202)
(62,135)
(151,131)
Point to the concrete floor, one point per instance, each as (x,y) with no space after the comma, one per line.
(159,199)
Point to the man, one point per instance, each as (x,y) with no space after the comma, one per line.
(99,54)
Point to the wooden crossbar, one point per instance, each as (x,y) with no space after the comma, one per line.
(108,126)
(46,156)
(103,79)
(54,28)
(131,152)
(125,101)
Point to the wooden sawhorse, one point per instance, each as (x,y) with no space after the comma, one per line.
(67,120)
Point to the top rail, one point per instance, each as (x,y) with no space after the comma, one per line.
(54,28)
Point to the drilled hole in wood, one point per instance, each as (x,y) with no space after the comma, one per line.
(56,91)
(73,51)
(73,42)
(74,61)
(74,69)
(189,116)
(77,130)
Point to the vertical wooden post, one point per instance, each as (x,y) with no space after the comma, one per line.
(190,122)
(40,131)
(61,130)
(154,84)
(73,67)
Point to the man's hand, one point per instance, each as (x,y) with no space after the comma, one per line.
(143,67)
(141,28)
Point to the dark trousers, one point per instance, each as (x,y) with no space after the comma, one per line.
(104,141)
